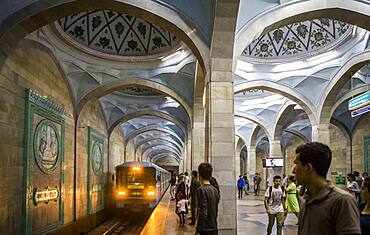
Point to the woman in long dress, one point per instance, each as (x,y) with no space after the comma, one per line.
(291,202)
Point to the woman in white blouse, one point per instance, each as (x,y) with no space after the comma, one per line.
(352,186)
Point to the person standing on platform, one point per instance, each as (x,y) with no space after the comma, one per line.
(291,193)
(352,187)
(193,195)
(182,208)
(274,205)
(246,187)
(241,185)
(327,209)
(365,213)
(187,184)
(181,188)
(208,198)
(173,182)
(284,182)
(257,181)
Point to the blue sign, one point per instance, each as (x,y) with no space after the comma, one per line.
(359,101)
(360,111)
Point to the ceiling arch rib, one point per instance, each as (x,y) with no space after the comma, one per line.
(288,92)
(329,97)
(156,145)
(162,155)
(129,82)
(148,112)
(153,128)
(351,11)
(159,151)
(156,139)
(150,153)
(254,119)
(297,133)
(281,117)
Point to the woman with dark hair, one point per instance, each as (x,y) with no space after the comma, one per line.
(365,213)
(291,202)
(352,186)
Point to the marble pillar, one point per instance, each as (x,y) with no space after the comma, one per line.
(198,134)
(219,116)
(274,152)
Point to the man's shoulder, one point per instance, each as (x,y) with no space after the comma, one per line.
(340,193)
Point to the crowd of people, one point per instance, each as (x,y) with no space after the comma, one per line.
(319,205)
(201,193)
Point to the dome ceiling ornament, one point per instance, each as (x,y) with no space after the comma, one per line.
(299,39)
(117,34)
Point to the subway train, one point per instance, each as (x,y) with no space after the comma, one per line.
(140,185)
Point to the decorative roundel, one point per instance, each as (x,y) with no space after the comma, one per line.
(46,146)
(97,158)
(118,34)
(298,39)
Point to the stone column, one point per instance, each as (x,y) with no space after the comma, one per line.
(237,159)
(188,154)
(320,133)
(251,161)
(275,152)
(198,134)
(130,151)
(220,112)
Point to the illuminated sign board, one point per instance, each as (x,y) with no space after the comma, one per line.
(46,195)
(273,162)
(359,101)
(360,111)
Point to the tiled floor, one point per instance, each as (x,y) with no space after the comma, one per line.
(252,219)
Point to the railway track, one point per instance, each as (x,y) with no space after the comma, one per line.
(128,224)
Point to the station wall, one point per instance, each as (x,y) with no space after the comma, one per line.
(28,66)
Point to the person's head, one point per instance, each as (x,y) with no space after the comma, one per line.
(194,174)
(365,190)
(186,174)
(182,196)
(365,174)
(356,173)
(290,179)
(350,177)
(240,176)
(284,175)
(277,181)
(312,161)
(205,171)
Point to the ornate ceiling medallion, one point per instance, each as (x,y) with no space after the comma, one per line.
(302,38)
(118,34)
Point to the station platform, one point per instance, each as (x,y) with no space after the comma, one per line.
(252,219)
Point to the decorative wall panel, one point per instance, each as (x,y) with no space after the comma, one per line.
(95,171)
(43,165)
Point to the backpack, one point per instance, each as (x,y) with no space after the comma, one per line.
(270,191)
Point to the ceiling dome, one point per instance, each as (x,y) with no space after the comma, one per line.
(118,34)
(299,39)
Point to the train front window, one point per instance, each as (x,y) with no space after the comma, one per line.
(134,177)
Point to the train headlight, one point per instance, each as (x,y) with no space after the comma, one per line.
(150,193)
(121,193)
(136,168)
